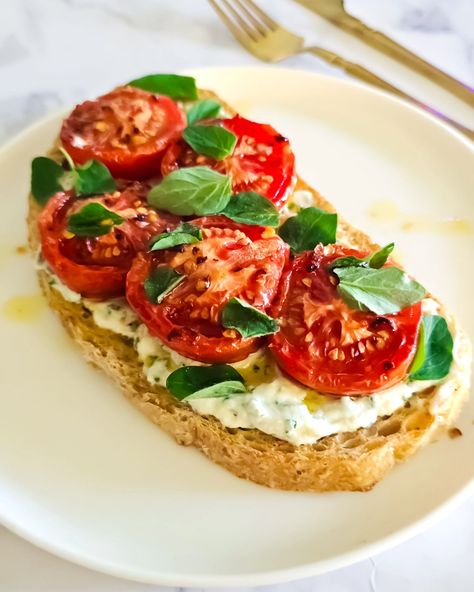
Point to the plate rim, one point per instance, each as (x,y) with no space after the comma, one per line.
(263,578)
(273,576)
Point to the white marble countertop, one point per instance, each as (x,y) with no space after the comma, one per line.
(58,52)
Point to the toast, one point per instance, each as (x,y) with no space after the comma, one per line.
(351,461)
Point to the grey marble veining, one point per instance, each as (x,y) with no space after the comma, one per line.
(57,52)
(54,53)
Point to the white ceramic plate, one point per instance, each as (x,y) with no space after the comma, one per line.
(85,476)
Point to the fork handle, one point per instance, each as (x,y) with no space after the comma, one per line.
(389,47)
(367,76)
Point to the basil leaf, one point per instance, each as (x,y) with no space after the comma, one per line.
(177,87)
(45,178)
(48,177)
(204,109)
(188,380)
(246,319)
(382,291)
(379,258)
(93,220)
(192,191)
(222,389)
(252,208)
(92,178)
(184,234)
(308,228)
(376,260)
(211,140)
(436,349)
(161,282)
(420,350)
(349,261)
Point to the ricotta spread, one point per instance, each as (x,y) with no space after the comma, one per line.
(274,404)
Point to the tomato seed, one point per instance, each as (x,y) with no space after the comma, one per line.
(202,285)
(101,126)
(230,333)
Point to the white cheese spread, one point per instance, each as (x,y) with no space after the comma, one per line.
(301,198)
(274,404)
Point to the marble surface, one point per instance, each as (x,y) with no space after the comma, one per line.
(57,52)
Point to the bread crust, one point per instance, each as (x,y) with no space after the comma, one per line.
(353,461)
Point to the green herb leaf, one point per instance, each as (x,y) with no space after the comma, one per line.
(252,208)
(211,140)
(308,228)
(48,177)
(210,381)
(349,261)
(93,178)
(184,234)
(192,191)
(379,258)
(420,350)
(161,282)
(247,320)
(204,109)
(93,220)
(45,178)
(222,389)
(376,260)
(382,291)
(177,87)
(435,350)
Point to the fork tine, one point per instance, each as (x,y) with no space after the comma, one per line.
(264,17)
(261,27)
(251,31)
(230,24)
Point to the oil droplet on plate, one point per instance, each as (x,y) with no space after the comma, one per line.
(388,211)
(384,210)
(24,308)
(8,250)
(21,250)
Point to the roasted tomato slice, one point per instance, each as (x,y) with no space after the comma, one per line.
(96,266)
(227,263)
(330,347)
(262,160)
(127,129)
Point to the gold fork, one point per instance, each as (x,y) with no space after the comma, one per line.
(335,12)
(262,36)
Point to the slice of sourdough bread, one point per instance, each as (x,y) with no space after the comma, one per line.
(353,461)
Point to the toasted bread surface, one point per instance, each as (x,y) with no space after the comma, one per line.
(353,461)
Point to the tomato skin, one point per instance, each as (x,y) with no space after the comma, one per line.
(262,160)
(87,265)
(236,266)
(127,129)
(91,282)
(329,347)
